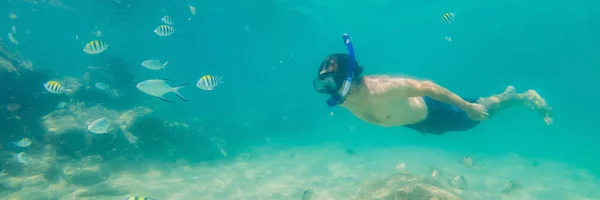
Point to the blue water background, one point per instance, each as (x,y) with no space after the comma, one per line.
(268,53)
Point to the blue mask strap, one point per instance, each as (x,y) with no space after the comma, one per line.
(339,98)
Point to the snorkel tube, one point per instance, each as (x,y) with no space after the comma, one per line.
(339,98)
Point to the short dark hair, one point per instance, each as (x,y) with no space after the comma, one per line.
(339,62)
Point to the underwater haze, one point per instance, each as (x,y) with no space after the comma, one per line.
(256,129)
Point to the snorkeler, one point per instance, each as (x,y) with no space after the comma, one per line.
(420,105)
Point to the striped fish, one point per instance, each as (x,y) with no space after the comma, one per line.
(164,30)
(209,82)
(167,20)
(138,198)
(95,47)
(53,87)
(447,18)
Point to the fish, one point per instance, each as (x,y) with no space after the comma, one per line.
(61,105)
(11,37)
(436,173)
(102,85)
(154,64)
(55,87)
(209,82)
(138,198)
(159,87)
(99,126)
(350,152)
(192,10)
(164,30)
(95,47)
(512,186)
(25,142)
(167,20)
(307,194)
(22,158)
(459,182)
(447,18)
(467,162)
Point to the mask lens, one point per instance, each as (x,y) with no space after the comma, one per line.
(325,85)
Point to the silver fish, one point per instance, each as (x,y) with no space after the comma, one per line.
(99,126)
(102,85)
(467,162)
(22,158)
(167,20)
(154,64)
(158,88)
(435,173)
(512,186)
(459,182)
(307,194)
(25,142)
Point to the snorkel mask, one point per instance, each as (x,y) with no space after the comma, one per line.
(330,82)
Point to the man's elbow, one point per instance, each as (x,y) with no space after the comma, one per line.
(428,88)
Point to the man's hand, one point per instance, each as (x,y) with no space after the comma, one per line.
(476,112)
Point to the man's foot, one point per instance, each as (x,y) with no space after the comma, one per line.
(535,102)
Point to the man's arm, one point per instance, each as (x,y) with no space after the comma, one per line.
(404,88)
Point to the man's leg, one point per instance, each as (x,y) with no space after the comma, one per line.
(509,97)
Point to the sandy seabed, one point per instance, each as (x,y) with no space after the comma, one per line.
(333,174)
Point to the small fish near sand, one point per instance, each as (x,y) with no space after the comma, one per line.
(95,47)
(436,173)
(164,30)
(209,82)
(25,142)
(22,158)
(307,194)
(138,198)
(468,162)
(55,87)
(512,186)
(159,87)
(99,126)
(154,64)
(459,182)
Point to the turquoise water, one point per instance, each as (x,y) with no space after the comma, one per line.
(268,53)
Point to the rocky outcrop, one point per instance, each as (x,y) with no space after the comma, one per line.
(404,186)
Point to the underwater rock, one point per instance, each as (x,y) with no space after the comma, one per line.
(17,183)
(101,189)
(32,194)
(75,116)
(404,186)
(85,173)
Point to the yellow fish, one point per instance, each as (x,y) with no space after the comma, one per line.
(95,47)
(447,18)
(54,87)
(164,30)
(209,82)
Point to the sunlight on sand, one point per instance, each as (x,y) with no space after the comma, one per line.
(276,174)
